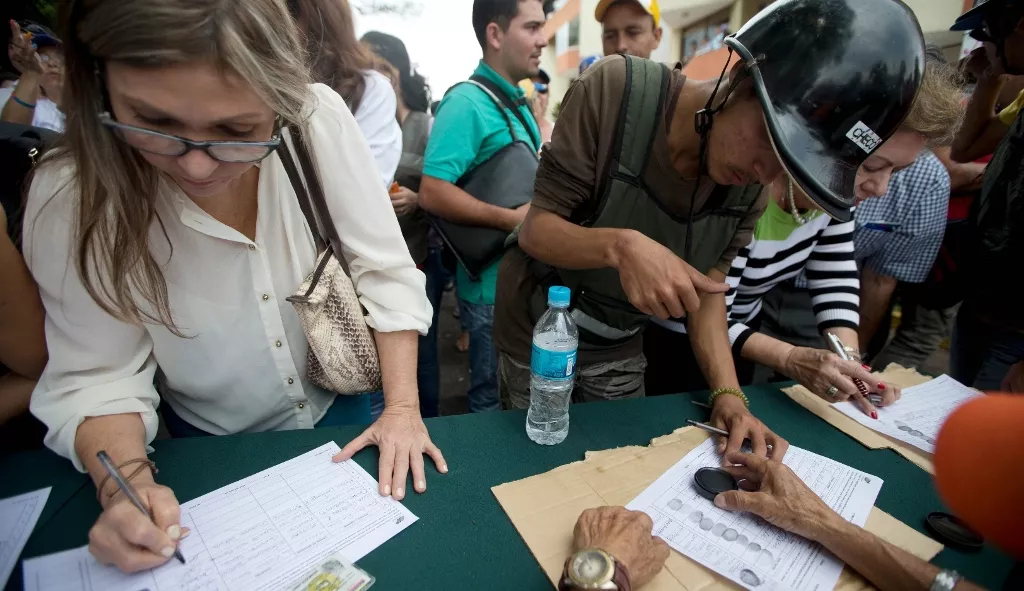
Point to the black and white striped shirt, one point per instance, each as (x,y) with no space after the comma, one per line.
(779,251)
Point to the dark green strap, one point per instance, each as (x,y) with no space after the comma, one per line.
(646,87)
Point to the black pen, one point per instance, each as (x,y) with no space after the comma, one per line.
(129,492)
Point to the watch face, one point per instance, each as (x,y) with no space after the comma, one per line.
(592,567)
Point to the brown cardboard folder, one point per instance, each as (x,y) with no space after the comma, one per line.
(544,509)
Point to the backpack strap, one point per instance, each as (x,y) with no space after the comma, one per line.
(497,92)
(646,89)
(644,96)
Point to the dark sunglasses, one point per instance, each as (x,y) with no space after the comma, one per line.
(164,144)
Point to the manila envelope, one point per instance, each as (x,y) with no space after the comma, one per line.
(894,374)
(544,509)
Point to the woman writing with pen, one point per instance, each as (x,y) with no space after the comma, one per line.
(166,233)
(794,235)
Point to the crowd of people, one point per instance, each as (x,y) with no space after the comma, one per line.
(213,162)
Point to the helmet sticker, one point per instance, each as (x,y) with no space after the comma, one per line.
(864,137)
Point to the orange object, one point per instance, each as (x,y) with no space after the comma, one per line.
(394,189)
(978,456)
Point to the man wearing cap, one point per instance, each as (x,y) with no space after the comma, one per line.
(988,339)
(632,27)
(35,52)
(642,199)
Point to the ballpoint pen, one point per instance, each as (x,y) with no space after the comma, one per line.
(714,430)
(840,349)
(129,491)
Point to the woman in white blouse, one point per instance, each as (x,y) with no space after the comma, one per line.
(156,244)
(340,61)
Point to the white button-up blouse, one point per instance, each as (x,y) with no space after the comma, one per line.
(243,366)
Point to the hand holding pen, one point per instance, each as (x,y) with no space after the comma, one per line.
(869,393)
(140,527)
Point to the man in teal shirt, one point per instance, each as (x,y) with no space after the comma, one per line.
(468,129)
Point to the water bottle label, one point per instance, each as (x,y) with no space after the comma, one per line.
(553,365)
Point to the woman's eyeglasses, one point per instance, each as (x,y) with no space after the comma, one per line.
(164,144)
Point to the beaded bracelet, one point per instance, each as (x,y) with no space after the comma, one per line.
(23,103)
(143,464)
(731,391)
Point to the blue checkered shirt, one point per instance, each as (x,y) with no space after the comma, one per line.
(917,200)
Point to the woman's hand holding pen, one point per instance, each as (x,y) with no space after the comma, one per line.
(125,537)
(833,379)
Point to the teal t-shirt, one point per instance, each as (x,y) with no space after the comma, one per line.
(469,129)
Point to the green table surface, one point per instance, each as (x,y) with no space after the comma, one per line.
(463,540)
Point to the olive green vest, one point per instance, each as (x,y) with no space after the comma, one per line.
(599,305)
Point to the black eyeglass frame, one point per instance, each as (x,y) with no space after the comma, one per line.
(188,145)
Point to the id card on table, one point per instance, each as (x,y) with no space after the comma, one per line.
(335,573)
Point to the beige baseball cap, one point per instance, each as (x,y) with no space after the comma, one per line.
(651,6)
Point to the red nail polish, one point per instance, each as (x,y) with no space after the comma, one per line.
(881,386)
(874,415)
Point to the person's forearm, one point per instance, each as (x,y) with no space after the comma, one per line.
(883,564)
(979,121)
(963,176)
(549,238)
(122,436)
(398,353)
(709,337)
(875,296)
(22,337)
(15,394)
(849,336)
(27,91)
(452,204)
(768,351)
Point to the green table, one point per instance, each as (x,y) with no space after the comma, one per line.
(463,540)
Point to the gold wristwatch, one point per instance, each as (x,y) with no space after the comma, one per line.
(593,568)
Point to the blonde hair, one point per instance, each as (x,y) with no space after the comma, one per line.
(254,39)
(938,111)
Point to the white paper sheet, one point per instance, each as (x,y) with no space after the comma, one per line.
(18,517)
(918,415)
(261,533)
(743,547)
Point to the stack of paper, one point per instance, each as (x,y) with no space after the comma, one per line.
(18,517)
(544,509)
(261,533)
(742,547)
(918,415)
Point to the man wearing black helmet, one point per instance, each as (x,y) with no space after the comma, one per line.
(652,183)
(988,339)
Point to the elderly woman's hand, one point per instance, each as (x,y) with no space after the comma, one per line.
(828,376)
(775,493)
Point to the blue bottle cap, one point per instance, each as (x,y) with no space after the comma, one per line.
(558,296)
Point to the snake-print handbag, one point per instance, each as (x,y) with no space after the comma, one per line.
(342,352)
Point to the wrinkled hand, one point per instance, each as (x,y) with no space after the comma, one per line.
(124,537)
(626,535)
(818,370)
(658,282)
(23,55)
(402,439)
(731,414)
(404,201)
(1014,380)
(773,492)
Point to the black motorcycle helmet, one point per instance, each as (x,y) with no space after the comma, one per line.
(835,79)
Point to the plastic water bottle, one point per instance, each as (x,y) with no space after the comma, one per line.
(552,370)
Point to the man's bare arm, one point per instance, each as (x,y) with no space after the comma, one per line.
(875,296)
(982,130)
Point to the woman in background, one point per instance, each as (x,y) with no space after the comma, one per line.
(339,60)
(425,246)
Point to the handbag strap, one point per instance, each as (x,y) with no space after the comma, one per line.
(311,195)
